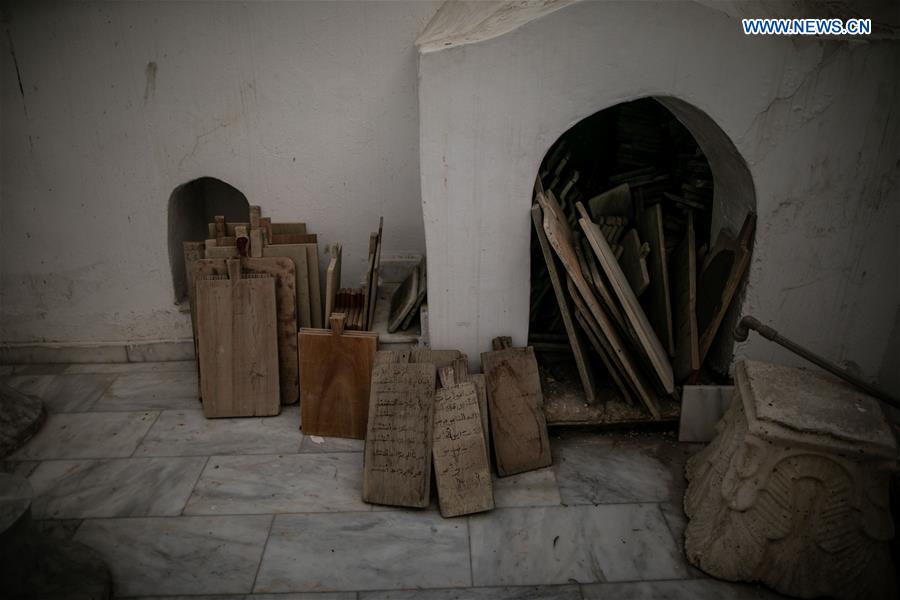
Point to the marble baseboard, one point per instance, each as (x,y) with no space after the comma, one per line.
(112,352)
(132,367)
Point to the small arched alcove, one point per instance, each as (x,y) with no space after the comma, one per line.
(192,206)
(639,167)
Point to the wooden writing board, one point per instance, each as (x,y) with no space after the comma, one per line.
(335,374)
(386,357)
(397,469)
(518,425)
(439,358)
(461,469)
(298,254)
(238,345)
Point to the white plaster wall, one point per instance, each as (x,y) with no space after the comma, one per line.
(815,120)
(310,109)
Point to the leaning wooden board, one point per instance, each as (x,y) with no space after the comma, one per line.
(332,280)
(518,426)
(461,468)
(560,237)
(684,300)
(282,269)
(634,313)
(237,342)
(335,376)
(397,467)
(657,300)
(298,253)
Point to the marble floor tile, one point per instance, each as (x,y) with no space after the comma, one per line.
(163,390)
(133,367)
(315,443)
(61,529)
(179,555)
(565,544)
(87,435)
(189,433)
(40,369)
(18,467)
(129,487)
(287,483)
(298,596)
(63,393)
(687,589)
(541,592)
(592,471)
(532,488)
(364,551)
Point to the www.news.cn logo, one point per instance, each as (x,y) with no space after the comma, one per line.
(807,26)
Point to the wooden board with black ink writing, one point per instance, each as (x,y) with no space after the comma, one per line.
(397,469)
(461,470)
(518,426)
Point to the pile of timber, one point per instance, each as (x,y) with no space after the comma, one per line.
(358,304)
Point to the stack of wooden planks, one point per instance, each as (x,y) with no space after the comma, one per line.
(408,298)
(358,304)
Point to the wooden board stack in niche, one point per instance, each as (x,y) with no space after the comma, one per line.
(357,303)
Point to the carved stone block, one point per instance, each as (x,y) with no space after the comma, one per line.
(793,491)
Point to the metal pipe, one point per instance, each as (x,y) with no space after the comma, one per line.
(742,332)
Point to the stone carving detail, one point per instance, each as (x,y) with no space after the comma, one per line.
(803,520)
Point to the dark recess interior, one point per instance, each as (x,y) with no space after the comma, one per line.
(191,207)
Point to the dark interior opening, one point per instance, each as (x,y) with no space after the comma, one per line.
(191,207)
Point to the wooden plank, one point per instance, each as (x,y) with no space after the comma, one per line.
(403,300)
(335,375)
(684,299)
(585,373)
(256,243)
(515,403)
(723,270)
(397,469)
(293,238)
(287,228)
(386,357)
(373,288)
(315,287)
(220,252)
(370,268)
(461,373)
(615,202)
(332,279)
(657,301)
(298,254)
(461,469)
(634,314)
(423,290)
(633,264)
(193,251)
(255,214)
(439,358)
(282,269)
(238,345)
(560,237)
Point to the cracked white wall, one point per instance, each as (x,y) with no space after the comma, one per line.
(309,109)
(815,120)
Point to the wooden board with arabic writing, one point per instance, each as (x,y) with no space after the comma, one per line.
(397,468)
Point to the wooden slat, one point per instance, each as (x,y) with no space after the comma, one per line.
(657,300)
(403,300)
(461,469)
(332,280)
(397,469)
(560,237)
(373,288)
(585,373)
(315,287)
(634,313)
(515,404)
(335,374)
(370,269)
(423,290)
(634,266)
(684,299)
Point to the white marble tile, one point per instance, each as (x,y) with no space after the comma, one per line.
(364,551)
(87,435)
(189,433)
(547,545)
(129,487)
(294,483)
(19,467)
(541,592)
(154,390)
(179,555)
(688,589)
(593,471)
(298,596)
(133,367)
(532,488)
(701,408)
(61,529)
(315,443)
(63,393)
(53,368)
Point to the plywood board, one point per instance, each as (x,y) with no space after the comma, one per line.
(560,237)
(684,300)
(515,404)
(397,469)
(633,264)
(657,300)
(461,469)
(585,373)
(332,279)
(238,345)
(335,374)
(298,254)
(282,269)
(634,313)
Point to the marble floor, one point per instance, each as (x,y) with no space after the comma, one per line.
(182,506)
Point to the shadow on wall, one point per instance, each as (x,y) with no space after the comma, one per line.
(191,207)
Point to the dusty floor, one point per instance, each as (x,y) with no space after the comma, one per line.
(181,505)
